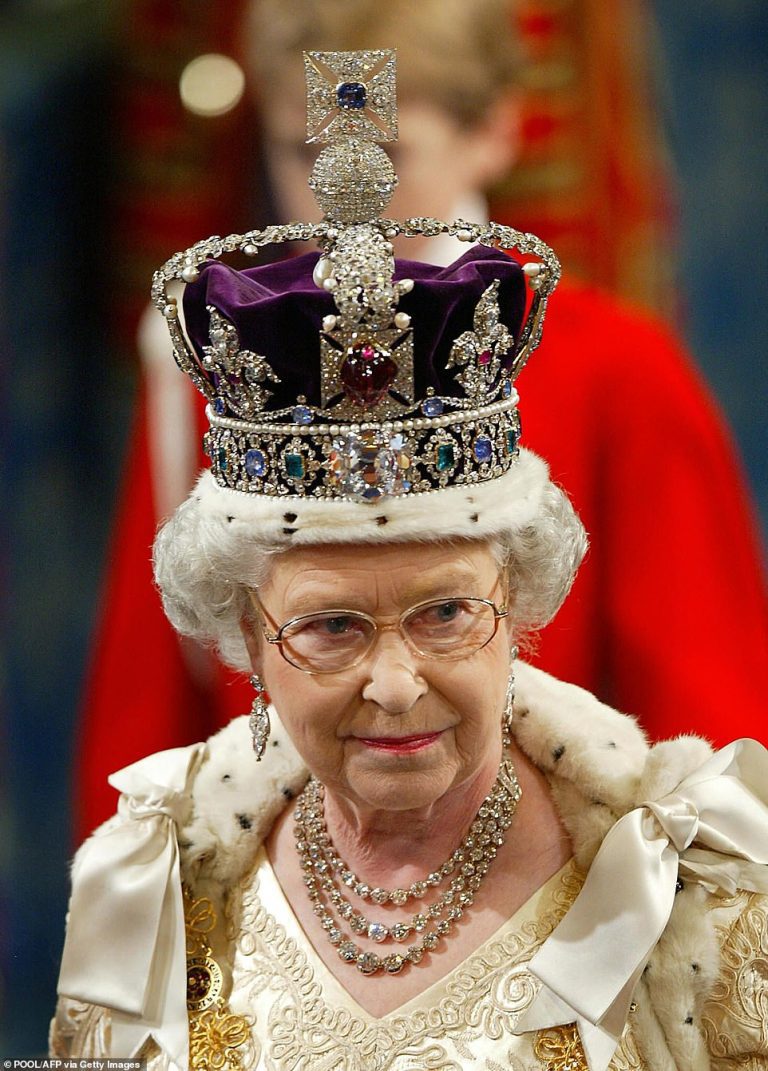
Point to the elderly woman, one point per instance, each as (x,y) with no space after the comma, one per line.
(445,858)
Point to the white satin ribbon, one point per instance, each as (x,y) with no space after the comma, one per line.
(713,829)
(125,947)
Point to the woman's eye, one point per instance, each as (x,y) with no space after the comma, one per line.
(439,614)
(337,626)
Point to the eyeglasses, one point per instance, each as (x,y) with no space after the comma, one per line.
(337,639)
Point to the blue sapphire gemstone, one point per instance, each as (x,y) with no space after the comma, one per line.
(506,388)
(511,442)
(255,462)
(432,407)
(294,465)
(219,406)
(302,415)
(446,458)
(483,448)
(351,95)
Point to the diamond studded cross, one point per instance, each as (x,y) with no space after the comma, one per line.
(351,93)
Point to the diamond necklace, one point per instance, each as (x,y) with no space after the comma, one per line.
(319,861)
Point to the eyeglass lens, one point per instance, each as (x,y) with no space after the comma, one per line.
(335,640)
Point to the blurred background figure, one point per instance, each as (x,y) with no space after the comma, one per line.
(548,109)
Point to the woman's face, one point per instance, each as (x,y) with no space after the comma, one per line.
(398,730)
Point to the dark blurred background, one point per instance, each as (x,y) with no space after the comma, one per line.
(103,174)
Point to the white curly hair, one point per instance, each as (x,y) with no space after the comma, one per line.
(218,545)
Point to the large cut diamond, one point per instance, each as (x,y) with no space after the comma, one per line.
(370,466)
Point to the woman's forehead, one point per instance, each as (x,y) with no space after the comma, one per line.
(368,574)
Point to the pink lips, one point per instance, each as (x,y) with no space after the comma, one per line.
(401,744)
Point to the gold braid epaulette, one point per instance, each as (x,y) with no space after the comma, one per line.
(215,1034)
(561,1048)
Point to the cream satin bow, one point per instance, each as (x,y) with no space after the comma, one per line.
(125,948)
(591,963)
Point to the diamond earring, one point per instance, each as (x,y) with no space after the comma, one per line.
(259,720)
(509,702)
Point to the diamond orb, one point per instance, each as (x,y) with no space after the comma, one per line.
(367,374)
(353,180)
(368,467)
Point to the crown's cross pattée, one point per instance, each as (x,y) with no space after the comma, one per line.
(351,94)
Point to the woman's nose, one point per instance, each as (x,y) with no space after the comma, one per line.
(394,678)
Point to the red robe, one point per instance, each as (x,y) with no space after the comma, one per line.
(667,618)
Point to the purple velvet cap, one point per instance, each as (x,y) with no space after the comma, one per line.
(278,310)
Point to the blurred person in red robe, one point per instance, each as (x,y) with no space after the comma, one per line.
(667,619)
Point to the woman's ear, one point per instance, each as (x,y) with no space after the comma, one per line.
(253,642)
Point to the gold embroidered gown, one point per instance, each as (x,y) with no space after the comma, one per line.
(302,1017)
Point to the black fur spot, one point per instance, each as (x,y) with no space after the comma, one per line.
(230,519)
(288,793)
(688,1020)
(695,967)
(290,517)
(288,531)
(474,517)
(611,743)
(382,520)
(275,743)
(226,777)
(245,821)
(558,752)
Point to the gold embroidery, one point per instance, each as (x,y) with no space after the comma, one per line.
(561,1048)
(735,1019)
(215,1034)
(469,1025)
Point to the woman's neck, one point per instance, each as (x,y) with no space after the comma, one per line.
(395,848)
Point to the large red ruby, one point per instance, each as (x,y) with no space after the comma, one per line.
(367,374)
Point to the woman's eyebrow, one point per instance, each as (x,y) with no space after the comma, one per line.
(316,597)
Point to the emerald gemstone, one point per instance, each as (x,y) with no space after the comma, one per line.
(294,465)
(511,441)
(446,458)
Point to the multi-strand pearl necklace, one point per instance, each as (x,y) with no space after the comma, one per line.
(470,863)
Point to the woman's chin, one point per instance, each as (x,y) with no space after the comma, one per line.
(398,782)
